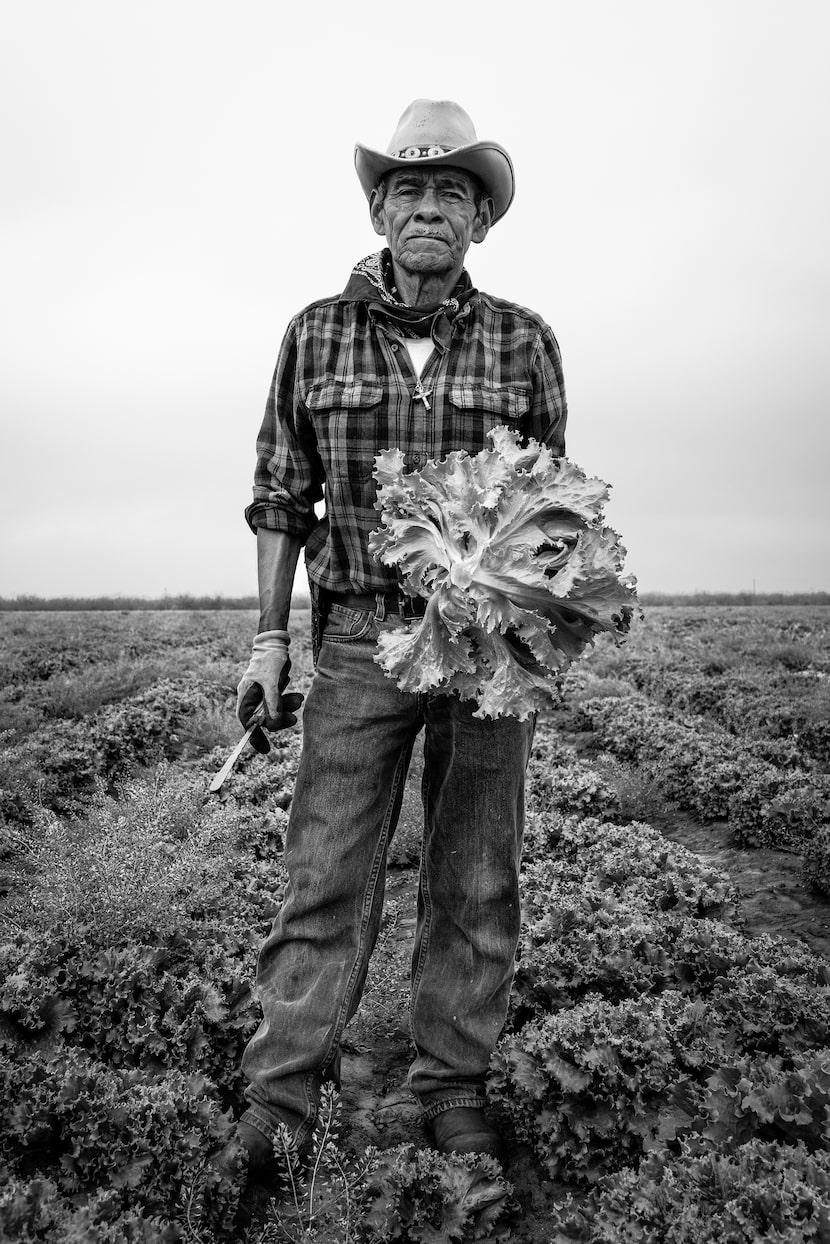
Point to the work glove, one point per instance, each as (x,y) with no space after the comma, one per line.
(260,691)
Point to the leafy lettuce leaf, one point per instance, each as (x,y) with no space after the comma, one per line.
(509,548)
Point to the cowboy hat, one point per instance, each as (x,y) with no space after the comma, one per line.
(433,132)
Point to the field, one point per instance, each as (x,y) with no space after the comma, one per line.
(664,1074)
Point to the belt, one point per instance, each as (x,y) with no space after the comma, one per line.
(393,602)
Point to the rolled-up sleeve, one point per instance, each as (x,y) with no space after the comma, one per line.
(550,408)
(288,478)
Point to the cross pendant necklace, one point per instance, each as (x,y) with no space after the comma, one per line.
(422,394)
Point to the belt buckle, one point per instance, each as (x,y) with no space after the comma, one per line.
(407,605)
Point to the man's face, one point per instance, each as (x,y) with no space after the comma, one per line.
(429,218)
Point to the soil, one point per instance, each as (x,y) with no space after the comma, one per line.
(775,899)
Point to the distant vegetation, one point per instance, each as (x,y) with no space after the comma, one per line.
(735,598)
(113,603)
(57,603)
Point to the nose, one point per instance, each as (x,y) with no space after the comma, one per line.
(429,209)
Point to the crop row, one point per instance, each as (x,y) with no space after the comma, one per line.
(125,1003)
(655,1057)
(707,770)
(58,765)
(782,720)
(651,1041)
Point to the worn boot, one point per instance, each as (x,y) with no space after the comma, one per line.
(465,1129)
(238,1179)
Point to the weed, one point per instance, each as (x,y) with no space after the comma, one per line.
(141,859)
(637,788)
(326,1190)
(76,695)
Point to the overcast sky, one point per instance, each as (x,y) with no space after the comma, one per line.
(178,180)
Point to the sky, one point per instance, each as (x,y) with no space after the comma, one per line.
(177,181)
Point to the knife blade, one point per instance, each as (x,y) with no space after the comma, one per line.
(220,777)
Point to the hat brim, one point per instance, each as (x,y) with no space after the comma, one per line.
(487,161)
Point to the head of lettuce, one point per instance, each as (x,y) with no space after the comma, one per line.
(509,550)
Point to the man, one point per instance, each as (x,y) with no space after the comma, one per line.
(409,355)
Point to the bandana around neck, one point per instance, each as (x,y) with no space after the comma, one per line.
(372,281)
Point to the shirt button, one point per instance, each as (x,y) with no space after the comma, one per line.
(394,346)
(416,460)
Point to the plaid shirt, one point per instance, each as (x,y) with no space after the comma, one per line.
(344,389)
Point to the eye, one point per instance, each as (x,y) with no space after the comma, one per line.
(453,194)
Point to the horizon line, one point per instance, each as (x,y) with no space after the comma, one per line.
(217,600)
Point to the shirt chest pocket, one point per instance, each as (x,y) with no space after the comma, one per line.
(482,407)
(348,418)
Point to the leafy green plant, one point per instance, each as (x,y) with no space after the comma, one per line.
(142,1135)
(575,788)
(783,1099)
(509,548)
(633,860)
(588,1087)
(594,1087)
(661,1038)
(75,693)
(416,1196)
(590,943)
(767,1012)
(259,781)
(816,861)
(34,1210)
(56,767)
(704,768)
(153,1008)
(761,1191)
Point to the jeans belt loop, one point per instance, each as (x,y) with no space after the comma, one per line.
(409,607)
(380,606)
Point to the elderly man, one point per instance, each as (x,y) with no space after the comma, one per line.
(409,355)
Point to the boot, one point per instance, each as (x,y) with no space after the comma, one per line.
(465,1129)
(239,1178)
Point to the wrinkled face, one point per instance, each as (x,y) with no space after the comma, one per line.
(429,218)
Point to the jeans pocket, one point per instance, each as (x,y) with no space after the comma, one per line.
(346,626)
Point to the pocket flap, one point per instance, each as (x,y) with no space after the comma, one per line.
(332,394)
(510,401)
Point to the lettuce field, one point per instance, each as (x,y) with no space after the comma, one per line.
(664,1074)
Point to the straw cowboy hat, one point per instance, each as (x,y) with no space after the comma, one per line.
(433,132)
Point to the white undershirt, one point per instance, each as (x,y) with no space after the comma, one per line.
(419,350)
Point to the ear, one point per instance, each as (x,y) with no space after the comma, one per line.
(376,213)
(484,219)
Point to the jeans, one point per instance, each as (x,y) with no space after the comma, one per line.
(359,730)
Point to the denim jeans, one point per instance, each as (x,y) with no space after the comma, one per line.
(359,731)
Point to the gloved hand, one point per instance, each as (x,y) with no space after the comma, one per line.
(263,683)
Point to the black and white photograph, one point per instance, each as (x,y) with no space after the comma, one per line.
(414,620)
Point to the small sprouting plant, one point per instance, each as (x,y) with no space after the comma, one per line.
(326,1190)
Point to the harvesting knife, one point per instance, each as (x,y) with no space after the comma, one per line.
(257,720)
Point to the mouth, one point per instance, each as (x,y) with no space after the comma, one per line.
(427,237)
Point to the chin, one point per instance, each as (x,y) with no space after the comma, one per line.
(426,263)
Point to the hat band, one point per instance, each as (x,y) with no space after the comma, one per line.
(421,153)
